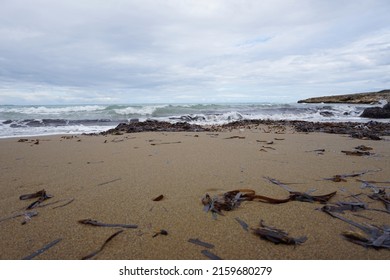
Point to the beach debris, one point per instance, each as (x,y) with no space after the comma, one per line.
(341,177)
(242,224)
(268,147)
(374,236)
(31,214)
(201,243)
(381,195)
(317,151)
(160,197)
(100,224)
(299,196)
(363,148)
(41,195)
(27,216)
(65,204)
(161,232)
(340,207)
(21,140)
(42,250)
(91,255)
(210,255)
(277,236)
(356,153)
(232,199)
(235,137)
(109,182)
(166,143)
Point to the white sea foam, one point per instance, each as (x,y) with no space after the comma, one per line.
(139,110)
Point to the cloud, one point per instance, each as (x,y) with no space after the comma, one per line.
(190,51)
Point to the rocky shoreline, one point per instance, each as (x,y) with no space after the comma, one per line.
(370,130)
(356,98)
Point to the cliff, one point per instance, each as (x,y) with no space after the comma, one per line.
(357,98)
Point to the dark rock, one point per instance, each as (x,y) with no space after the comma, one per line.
(326,114)
(377,112)
(152,125)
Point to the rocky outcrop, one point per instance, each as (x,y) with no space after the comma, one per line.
(377,112)
(358,98)
(153,125)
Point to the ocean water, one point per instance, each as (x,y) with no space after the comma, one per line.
(16,121)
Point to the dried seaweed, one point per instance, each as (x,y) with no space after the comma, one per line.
(100,224)
(375,236)
(201,243)
(210,255)
(91,255)
(108,182)
(277,236)
(31,214)
(381,195)
(41,195)
(242,224)
(160,197)
(299,196)
(161,232)
(341,177)
(43,249)
(356,153)
(232,199)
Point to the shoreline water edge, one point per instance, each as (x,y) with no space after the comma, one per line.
(77,119)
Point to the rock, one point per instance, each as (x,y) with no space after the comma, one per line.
(326,114)
(357,98)
(377,112)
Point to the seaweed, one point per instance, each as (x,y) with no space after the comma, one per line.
(210,255)
(277,236)
(374,236)
(41,195)
(160,197)
(100,224)
(201,243)
(91,255)
(43,249)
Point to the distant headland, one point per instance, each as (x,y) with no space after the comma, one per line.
(356,98)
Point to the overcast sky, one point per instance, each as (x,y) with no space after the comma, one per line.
(91,51)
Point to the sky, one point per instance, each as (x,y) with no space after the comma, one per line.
(186,51)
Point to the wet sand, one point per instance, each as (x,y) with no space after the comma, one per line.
(113,179)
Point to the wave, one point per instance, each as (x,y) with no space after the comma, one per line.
(41,120)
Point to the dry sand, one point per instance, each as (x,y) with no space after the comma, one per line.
(113,179)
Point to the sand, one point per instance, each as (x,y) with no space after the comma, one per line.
(114,179)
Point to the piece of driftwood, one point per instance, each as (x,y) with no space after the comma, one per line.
(43,249)
(91,255)
(201,243)
(277,236)
(374,236)
(340,207)
(100,224)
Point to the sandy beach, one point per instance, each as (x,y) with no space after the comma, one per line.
(113,179)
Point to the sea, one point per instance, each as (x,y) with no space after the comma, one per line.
(24,121)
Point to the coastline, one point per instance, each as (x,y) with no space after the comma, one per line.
(114,179)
